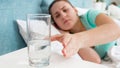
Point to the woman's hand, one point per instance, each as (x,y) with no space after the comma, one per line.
(70,42)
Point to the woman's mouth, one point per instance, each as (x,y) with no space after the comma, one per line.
(66,22)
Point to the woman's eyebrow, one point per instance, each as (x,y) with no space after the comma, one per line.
(63,7)
(60,9)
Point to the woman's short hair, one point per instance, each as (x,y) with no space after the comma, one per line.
(49,9)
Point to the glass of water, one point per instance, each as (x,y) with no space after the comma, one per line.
(39,30)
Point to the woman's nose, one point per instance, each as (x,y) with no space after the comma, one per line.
(63,15)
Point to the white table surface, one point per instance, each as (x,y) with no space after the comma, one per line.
(19,59)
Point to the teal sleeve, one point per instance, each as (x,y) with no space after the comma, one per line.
(91,17)
(102,49)
(88,21)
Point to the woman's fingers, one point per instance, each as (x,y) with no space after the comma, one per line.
(69,44)
(68,52)
(63,38)
(71,49)
(56,37)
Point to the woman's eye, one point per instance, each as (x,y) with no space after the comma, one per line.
(57,15)
(65,10)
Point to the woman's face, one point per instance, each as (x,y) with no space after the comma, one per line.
(64,15)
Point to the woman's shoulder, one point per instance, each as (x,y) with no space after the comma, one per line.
(93,12)
(89,18)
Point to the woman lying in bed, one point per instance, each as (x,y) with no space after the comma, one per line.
(89,35)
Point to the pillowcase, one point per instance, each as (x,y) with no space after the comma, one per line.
(81,11)
(114,11)
(116,21)
(100,6)
(22,25)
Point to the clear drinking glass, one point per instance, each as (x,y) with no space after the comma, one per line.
(39,30)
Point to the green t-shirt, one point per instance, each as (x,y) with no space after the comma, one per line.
(88,20)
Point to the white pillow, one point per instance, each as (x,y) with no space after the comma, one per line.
(114,11)
(99,6)
(81,11)
(116,21)
(23,29)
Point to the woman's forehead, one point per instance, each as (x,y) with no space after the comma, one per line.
(59,5)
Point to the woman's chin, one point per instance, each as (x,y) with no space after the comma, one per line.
(67,29)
